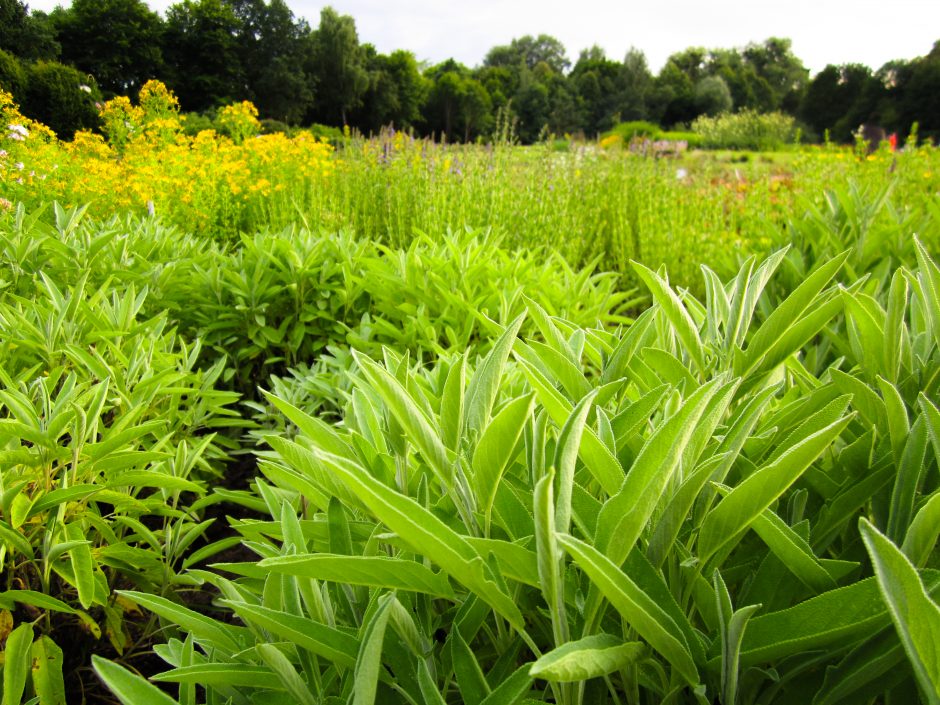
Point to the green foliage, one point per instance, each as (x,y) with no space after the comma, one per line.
(107,443)
(338,66)
(628,131)
(116,41)
(24,34)
(61,97)
(669,511)
(746,130)
(12,76)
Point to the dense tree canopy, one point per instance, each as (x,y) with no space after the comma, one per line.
(24,34)
(119,42)
(214,52)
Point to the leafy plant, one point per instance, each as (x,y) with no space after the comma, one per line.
(661,515)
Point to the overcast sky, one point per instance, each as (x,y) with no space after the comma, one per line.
(823,31)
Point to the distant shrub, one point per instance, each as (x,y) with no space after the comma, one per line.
(333,135)
(12,76)
(271,127)
(747,129)
(627,131)
(61,97)
(194,123)
(693,139)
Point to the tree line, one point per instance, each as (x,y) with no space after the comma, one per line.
(214,52)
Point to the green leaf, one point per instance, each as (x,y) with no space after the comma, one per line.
(864,667)
(737,511)
(929,276)
(598,459)
(834,619)
(206,630)
(624,516)
(775,338)
(497,449)
(915,615)
(151,478)
(16,540)
(233,675)
(412,419)
(62,496)
(512,689)
(899,425)
(452,404)
(369,660)
(470,679)
(83,565)
(129,688)
(923,532)
(931,416)
(549,557)
(566,456)
(635,606)
(748,289)
(910,472)
(732,626)
(590,657)
(16,659)
(318,639)
(716,469)
(373,571)
(425,533)
(429,691)
(675,312)
(48,681)
(287,674)
(484,384)
(793,551)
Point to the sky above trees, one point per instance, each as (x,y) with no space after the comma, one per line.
(822,31)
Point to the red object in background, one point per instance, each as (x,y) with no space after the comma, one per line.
(893,140)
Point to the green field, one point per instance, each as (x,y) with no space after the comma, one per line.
(402,422)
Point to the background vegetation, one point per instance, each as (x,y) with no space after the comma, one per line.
(215,52)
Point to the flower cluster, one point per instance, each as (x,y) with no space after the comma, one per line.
(208,183)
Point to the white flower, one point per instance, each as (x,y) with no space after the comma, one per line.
(17,129)
(681,173)
(16,136)
(3,153)
(19,165)
(85,88)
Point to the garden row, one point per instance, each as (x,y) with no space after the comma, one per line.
(478,479)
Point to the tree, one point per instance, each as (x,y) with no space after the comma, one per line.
(674,96)
(831,98)
(775,62)
(396,91)
(712,96)
(921,99)
(637,84)
(26,35)
(530,51)
(116,41)
(272,46)
(748,89)
(338,66)
(458,105)
(598,82)
(202,54)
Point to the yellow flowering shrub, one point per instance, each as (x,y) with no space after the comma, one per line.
(208,184)
(240,120)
